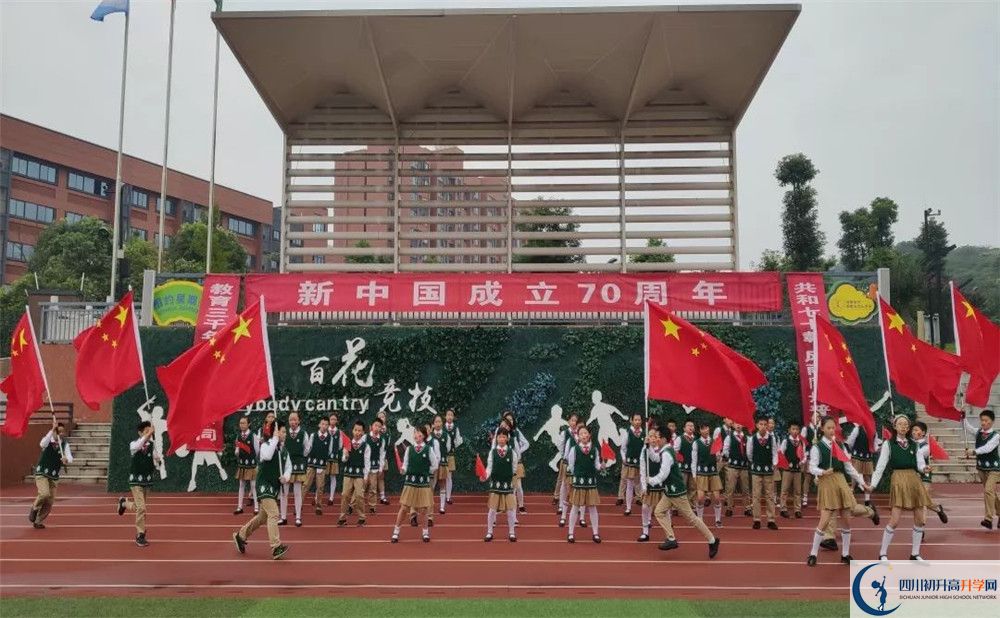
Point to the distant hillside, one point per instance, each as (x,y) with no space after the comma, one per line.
(977,271)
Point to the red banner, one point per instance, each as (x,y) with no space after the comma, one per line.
(517,292)
(807,298)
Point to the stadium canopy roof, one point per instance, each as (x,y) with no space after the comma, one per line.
(508,60)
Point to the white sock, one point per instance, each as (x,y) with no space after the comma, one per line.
(845,542)
(886,540)
(283,501)
(629,494)
(511,518)
(253,494)
(583,515)
(395,530)
(700,510)
(593,519)
(297,488)
(718,511)
(443,497)
(572,520)
(817,539)
(563,492)
(918,536)
(868,497)
(239,498)
(333,485)
(427,532)
(448,485)
(491,518)
(519,494)
(645,519)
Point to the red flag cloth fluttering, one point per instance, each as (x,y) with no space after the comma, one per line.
(25,386)
(108,355)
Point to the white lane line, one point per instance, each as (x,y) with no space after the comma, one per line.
(501,539)
(414,561)
(437,587)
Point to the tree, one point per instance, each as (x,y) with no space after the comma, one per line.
(652,257)
(139,255)
(188,248)
(366,259)
(771,260)
(65,252)
(549,211)
(803,240)
(867,233)
(934,248)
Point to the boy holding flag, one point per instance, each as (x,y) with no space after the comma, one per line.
(55,455)
(273,471)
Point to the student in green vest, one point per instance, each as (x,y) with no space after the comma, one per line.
(833,494)
(683,446)
(455,435)
(245,447)
(295,444)
(356,459)
(420,463)
(762,452)
(55,454)
(333,465)
(793,451)
(376,448)
(584,463)
(706,472)
(520,444)
(318,450)
(987,453)
(861,444)
(734,451)
(671,478)
(443,441)
(632,440)
(649,467)
(142,473)
(809,436)
(383,433)
(501,464)
(567,440)
(904,459)
(273,470)
(919,433)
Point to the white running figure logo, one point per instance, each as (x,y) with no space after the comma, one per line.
(553,427)
(604,414)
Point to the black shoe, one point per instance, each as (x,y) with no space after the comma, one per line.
(329,502)
(121,506)
(772,526)
(350,510)
(298,523)
(362,523)
(522,509)
(488,538)
(394,539)
(713,548)
(668,545)
(729,512)
(942,515)
(38,526)
(846,559)
(512,538)
(238,511)
(619,502)
(828,544)
(555,501)
(746,513)
(341,522)
(811,561)
(597,538)
(33,513)
(562,522)
(371,510)
(756,525)
(784,513)
(413,520)
(241,544)
(798,514)
(917,558)
(141,541)
(707,503)
(627,513)
(643,538)
(282,522)
(427,538)
(441,511)
(319,511)
(987,523)
(430,523)
(279,552)
(570,539)
(448,501)
(386,501)
(875,518)
(583,524)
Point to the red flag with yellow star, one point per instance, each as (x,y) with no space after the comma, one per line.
(918,370)
(218,376)
(978,343)
(26,383)
(108,355)
(837,382)
(688,366)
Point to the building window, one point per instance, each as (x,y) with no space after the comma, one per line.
(89,184)
(273,265)
(171,206)
(166,240)
(139,199)
(33,168)
(275,235)
(242,226)
(194,212)
(251,262)
(319,227)
(319,259)
(31,212)
(73,217)
(19,252)
(138,233)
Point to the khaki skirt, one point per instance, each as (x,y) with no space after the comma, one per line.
(907,492)
(502,502)
(652,497)
(584,497)
(442,473)
(864,468)
(451,463)
(299,478)
(630,473)
(333,468)
(246,474)
(416,497)
(708,483)
(519,472)
(833,492)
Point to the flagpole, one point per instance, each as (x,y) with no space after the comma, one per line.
(38,356)
(645,358)
(885,358)
(116,227)
(814,381)
(211,176)
(138,347)
(166,139)
(958,352)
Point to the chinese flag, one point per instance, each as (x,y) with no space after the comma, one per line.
(108,355)
(919,370)
(978,343)
(345,442)
(480,468)
(217,376)
(886,433)
(716,444)
(782,461)
(838,452)
(936,451)
(837,381)
(608,453)
(26,383)
(686,365)
(395,451)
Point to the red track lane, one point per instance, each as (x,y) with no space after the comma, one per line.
(87,549)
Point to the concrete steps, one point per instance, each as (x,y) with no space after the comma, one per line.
(90,443)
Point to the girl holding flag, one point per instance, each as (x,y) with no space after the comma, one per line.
(905,460)
(584,462)
(501,465)
(419,465)
(830,465)
(919,433)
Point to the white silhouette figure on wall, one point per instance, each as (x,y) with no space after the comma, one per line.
(206,458)
(604,414)
(405,430)
(553,427)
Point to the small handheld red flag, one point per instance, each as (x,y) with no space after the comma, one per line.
(936,451)
(800,450)
(716,444)
(839,452)
(345,441)
(480,468)
(886,434)
(678,456)
(782,461)
(608,454)
(399,460)
(246,448)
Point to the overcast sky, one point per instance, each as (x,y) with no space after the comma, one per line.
(897,99)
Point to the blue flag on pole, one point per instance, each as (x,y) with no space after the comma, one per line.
(107,7)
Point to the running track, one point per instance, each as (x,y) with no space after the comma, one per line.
(86,549)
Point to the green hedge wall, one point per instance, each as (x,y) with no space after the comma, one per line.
(479,372)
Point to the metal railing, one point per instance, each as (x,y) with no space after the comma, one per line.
(61,322)
(63,413)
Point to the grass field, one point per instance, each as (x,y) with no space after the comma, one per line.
(152,607)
